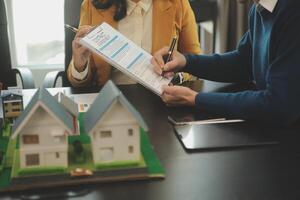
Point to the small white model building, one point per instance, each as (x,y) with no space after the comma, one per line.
(43,128)
(12,103)
(114,127)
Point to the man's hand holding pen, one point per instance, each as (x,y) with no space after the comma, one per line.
(167,69)
(173,95)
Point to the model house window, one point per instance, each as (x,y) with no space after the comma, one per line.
(37,32)
(105,134)
(16,110)
(106,154)
(130,132)
(130,149)
(57,155)
(30,139)
(32,159)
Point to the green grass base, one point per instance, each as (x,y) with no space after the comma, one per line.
(5,177)
(7,148)
(3,144)
(120,164)
(16,164)
(10,152)
(3,147)
(6,130)
(41,171)
(153,164)
(3,141)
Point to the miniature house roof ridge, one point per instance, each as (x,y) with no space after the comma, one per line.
(68,103)
(107,96)
(43,97)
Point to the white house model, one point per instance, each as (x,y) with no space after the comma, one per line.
(43,128)
(114,127)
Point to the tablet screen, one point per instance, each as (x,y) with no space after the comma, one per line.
(225,135)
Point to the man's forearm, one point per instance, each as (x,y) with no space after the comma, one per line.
(262,106)
(222,68)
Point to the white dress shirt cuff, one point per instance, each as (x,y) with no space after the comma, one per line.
(79,75)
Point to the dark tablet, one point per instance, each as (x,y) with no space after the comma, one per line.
(225,135)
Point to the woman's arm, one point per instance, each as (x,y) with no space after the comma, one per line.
(72,71)
(188,34)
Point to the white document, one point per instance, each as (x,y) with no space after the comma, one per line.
(125,55)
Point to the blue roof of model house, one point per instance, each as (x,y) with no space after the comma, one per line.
(67,103)
(43,98)
(107,96)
